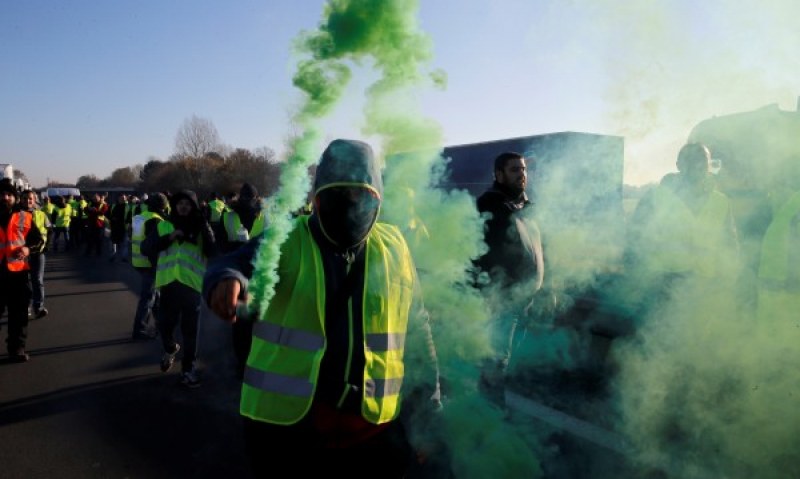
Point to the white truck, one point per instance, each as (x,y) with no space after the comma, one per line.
(8,172)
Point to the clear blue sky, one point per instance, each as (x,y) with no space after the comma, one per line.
(90,86)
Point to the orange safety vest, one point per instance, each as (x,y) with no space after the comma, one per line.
(12,238)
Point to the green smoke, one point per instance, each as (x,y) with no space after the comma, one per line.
(443,228)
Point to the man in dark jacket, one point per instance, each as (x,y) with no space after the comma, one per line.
(324,378)
(243,220)
(512,270)
(19,237)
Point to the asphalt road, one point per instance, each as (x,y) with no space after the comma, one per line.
(91,403)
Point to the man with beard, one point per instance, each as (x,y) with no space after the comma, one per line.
(242,221)
(18,238)
(333,355)
(183,243)
(512,270)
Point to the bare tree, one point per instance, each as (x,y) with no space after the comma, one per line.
(196,138)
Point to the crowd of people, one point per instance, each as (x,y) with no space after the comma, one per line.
(322,368)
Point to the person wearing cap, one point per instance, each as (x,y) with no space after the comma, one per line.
(183,243)
(243,220)
(325,376)
(18,237)
(142,225)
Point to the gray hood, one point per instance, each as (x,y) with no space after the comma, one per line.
(348,162)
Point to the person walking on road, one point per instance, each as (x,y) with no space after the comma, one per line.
(183,243)
(142,225)
(18,237)
(325,376)
(244,219)
(36,259)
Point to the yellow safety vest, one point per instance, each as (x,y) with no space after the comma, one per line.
(679,241)
(216,207)
(182,262)
(232,224)
(775,244)
(42,223)
(778,296)
(138,260)
(63,216)
(289,342)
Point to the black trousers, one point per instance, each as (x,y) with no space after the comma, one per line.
(15,296)
(303,451)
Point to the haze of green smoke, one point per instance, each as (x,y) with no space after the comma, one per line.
(443,228)
(706,388)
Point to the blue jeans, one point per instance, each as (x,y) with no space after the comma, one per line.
(148,302)
(36,262)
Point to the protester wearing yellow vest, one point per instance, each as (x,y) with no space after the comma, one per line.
(216,207)
(62,215)
(244,219)
(143,225)
(332,356)
(18,237)
(36,260)
(779,269)
(183,244)
(682,229)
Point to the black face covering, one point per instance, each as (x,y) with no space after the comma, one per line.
(347,214)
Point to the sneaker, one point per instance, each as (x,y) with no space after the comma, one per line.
(168,359)
(18,356)
(41,313)
(190,379)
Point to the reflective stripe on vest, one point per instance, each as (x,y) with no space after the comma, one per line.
(233,223)
(181,262)
(138,260)
(12,238)
(774,265)
(283,366)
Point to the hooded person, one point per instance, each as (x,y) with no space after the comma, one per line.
(244,219)
(184,243)
(325,374)
(18,238)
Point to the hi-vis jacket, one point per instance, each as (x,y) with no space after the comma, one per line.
(775,245)
(12,238)
(288,344)
(181,262)
(233,223)
(216,208)
(138,259)
(677,240)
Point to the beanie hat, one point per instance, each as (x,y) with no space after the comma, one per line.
(248,191)
(157,202)
(7,186)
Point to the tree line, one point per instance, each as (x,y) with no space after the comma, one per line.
(201,162)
